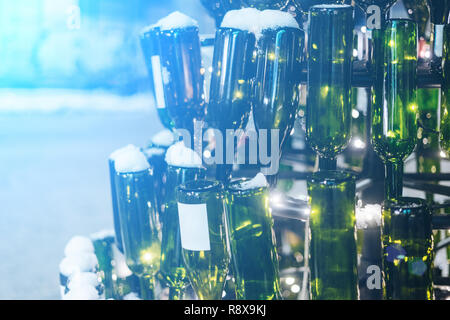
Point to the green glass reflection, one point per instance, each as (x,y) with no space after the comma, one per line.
(253,245)
(333,255)
(207,269)
(395,109)
(445,102)
(428,158)
(407,250)
(172,269)
(328,113)
(139,225)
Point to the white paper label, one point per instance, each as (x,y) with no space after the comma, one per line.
(158,81)
(194,228)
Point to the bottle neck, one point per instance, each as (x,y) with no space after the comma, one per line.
(327,164)
(394,180)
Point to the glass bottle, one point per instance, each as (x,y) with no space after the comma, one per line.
(276,88)
(206,255)
(252,242)
(333,249)
(395,111)
(139,225)
(328,113)
(172,268)
(407,249)
(173,58)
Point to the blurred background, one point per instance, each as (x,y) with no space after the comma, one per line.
(73,88)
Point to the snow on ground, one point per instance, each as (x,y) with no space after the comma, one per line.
(54,183)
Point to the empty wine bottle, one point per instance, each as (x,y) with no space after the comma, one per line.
(230,90)
(328,113)
(276,87)
(172,52)
(183,165)
(206,255)
(395,111)
(115,206)
(407,249)
(252,240)
(138,219)
(333,255)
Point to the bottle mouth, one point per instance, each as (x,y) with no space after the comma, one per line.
(237,186)
(201,186)
(331,177)
(405,203)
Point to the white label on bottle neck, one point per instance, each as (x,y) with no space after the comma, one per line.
(158,82)
(194,228)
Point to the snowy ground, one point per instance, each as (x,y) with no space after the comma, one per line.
(54,184)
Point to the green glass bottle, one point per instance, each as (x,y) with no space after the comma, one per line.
(328,113)
(172,269)
(333,255)
(252,242)
(233,70)
(230,88)
(445,101)
(206,255)
(173,57)
(407,250)
(140,235)
(395,111)
(276,89)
